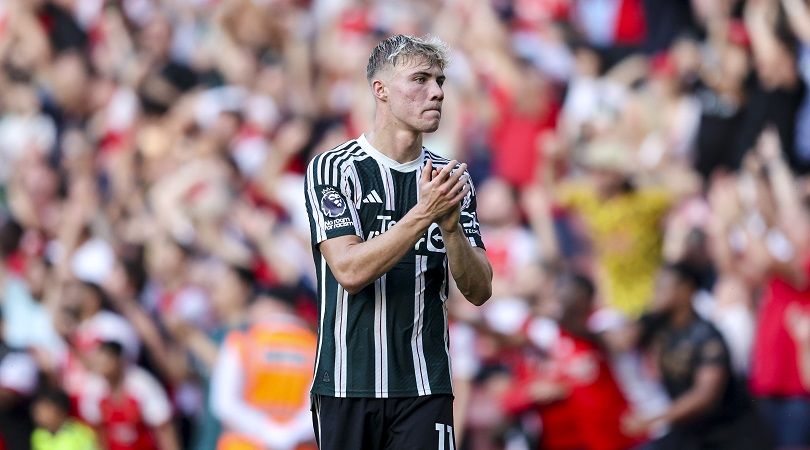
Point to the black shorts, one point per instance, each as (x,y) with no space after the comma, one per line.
(413,423)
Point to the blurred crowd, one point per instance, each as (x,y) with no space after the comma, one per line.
(642,193)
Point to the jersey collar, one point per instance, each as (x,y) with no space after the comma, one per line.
(388,162)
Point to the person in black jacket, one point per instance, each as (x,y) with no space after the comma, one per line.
(710,408)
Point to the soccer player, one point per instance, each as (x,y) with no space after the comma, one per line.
(389,222)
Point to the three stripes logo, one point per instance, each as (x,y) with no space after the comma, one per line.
(372,197)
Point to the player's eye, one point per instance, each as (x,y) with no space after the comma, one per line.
(420,80)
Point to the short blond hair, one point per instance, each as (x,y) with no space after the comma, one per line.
(402,48)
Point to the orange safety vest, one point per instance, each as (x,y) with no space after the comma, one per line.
(277,358)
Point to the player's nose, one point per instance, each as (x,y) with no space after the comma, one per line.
(436,92)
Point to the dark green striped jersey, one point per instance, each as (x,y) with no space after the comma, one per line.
(390,339)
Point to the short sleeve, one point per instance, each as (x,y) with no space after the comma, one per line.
(154,403)
(469,218)
(328,198)
(90,397)
(713,352)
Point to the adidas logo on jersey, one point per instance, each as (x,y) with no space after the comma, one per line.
(372,197)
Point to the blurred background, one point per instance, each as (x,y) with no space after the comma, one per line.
(152,213)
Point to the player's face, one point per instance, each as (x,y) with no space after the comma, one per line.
(416,95)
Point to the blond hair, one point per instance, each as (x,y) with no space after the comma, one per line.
(401,48)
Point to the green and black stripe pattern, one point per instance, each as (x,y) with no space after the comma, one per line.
(390,339)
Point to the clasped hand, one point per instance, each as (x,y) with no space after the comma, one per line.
(441,193)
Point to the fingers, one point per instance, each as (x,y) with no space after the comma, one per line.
(461,194)
(458,173)
(444,174)
(455,181)
(427,171)
(456,186)
(448,186)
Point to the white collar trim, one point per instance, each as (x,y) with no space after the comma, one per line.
(388,162)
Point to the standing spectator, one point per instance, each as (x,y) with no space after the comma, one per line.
(510,246)
(56,430)
(710,406)
(126,405)
(230,295)
(574,380)
(775,96)
(624,221)
(721,93)
(85,321)
(260,384)
(777,257)
(798,17)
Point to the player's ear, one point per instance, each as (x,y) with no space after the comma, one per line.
(380,90)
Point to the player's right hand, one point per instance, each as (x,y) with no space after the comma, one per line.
(440,192)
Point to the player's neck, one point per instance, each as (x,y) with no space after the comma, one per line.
(682,317)
(400,145)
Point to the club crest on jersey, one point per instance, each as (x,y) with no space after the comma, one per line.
(332,203)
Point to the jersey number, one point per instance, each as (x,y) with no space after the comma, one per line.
(445,435)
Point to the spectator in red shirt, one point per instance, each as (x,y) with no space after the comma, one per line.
(524,116)
(126,405)
(573,389)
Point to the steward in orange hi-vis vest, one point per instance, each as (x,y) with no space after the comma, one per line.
(262,396)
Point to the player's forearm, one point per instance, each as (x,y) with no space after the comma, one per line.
(363,262)
(470,268)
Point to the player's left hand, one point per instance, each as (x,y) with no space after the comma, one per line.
(449,222)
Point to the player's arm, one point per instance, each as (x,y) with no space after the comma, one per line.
(469,265)
(465,253)
(356,263)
